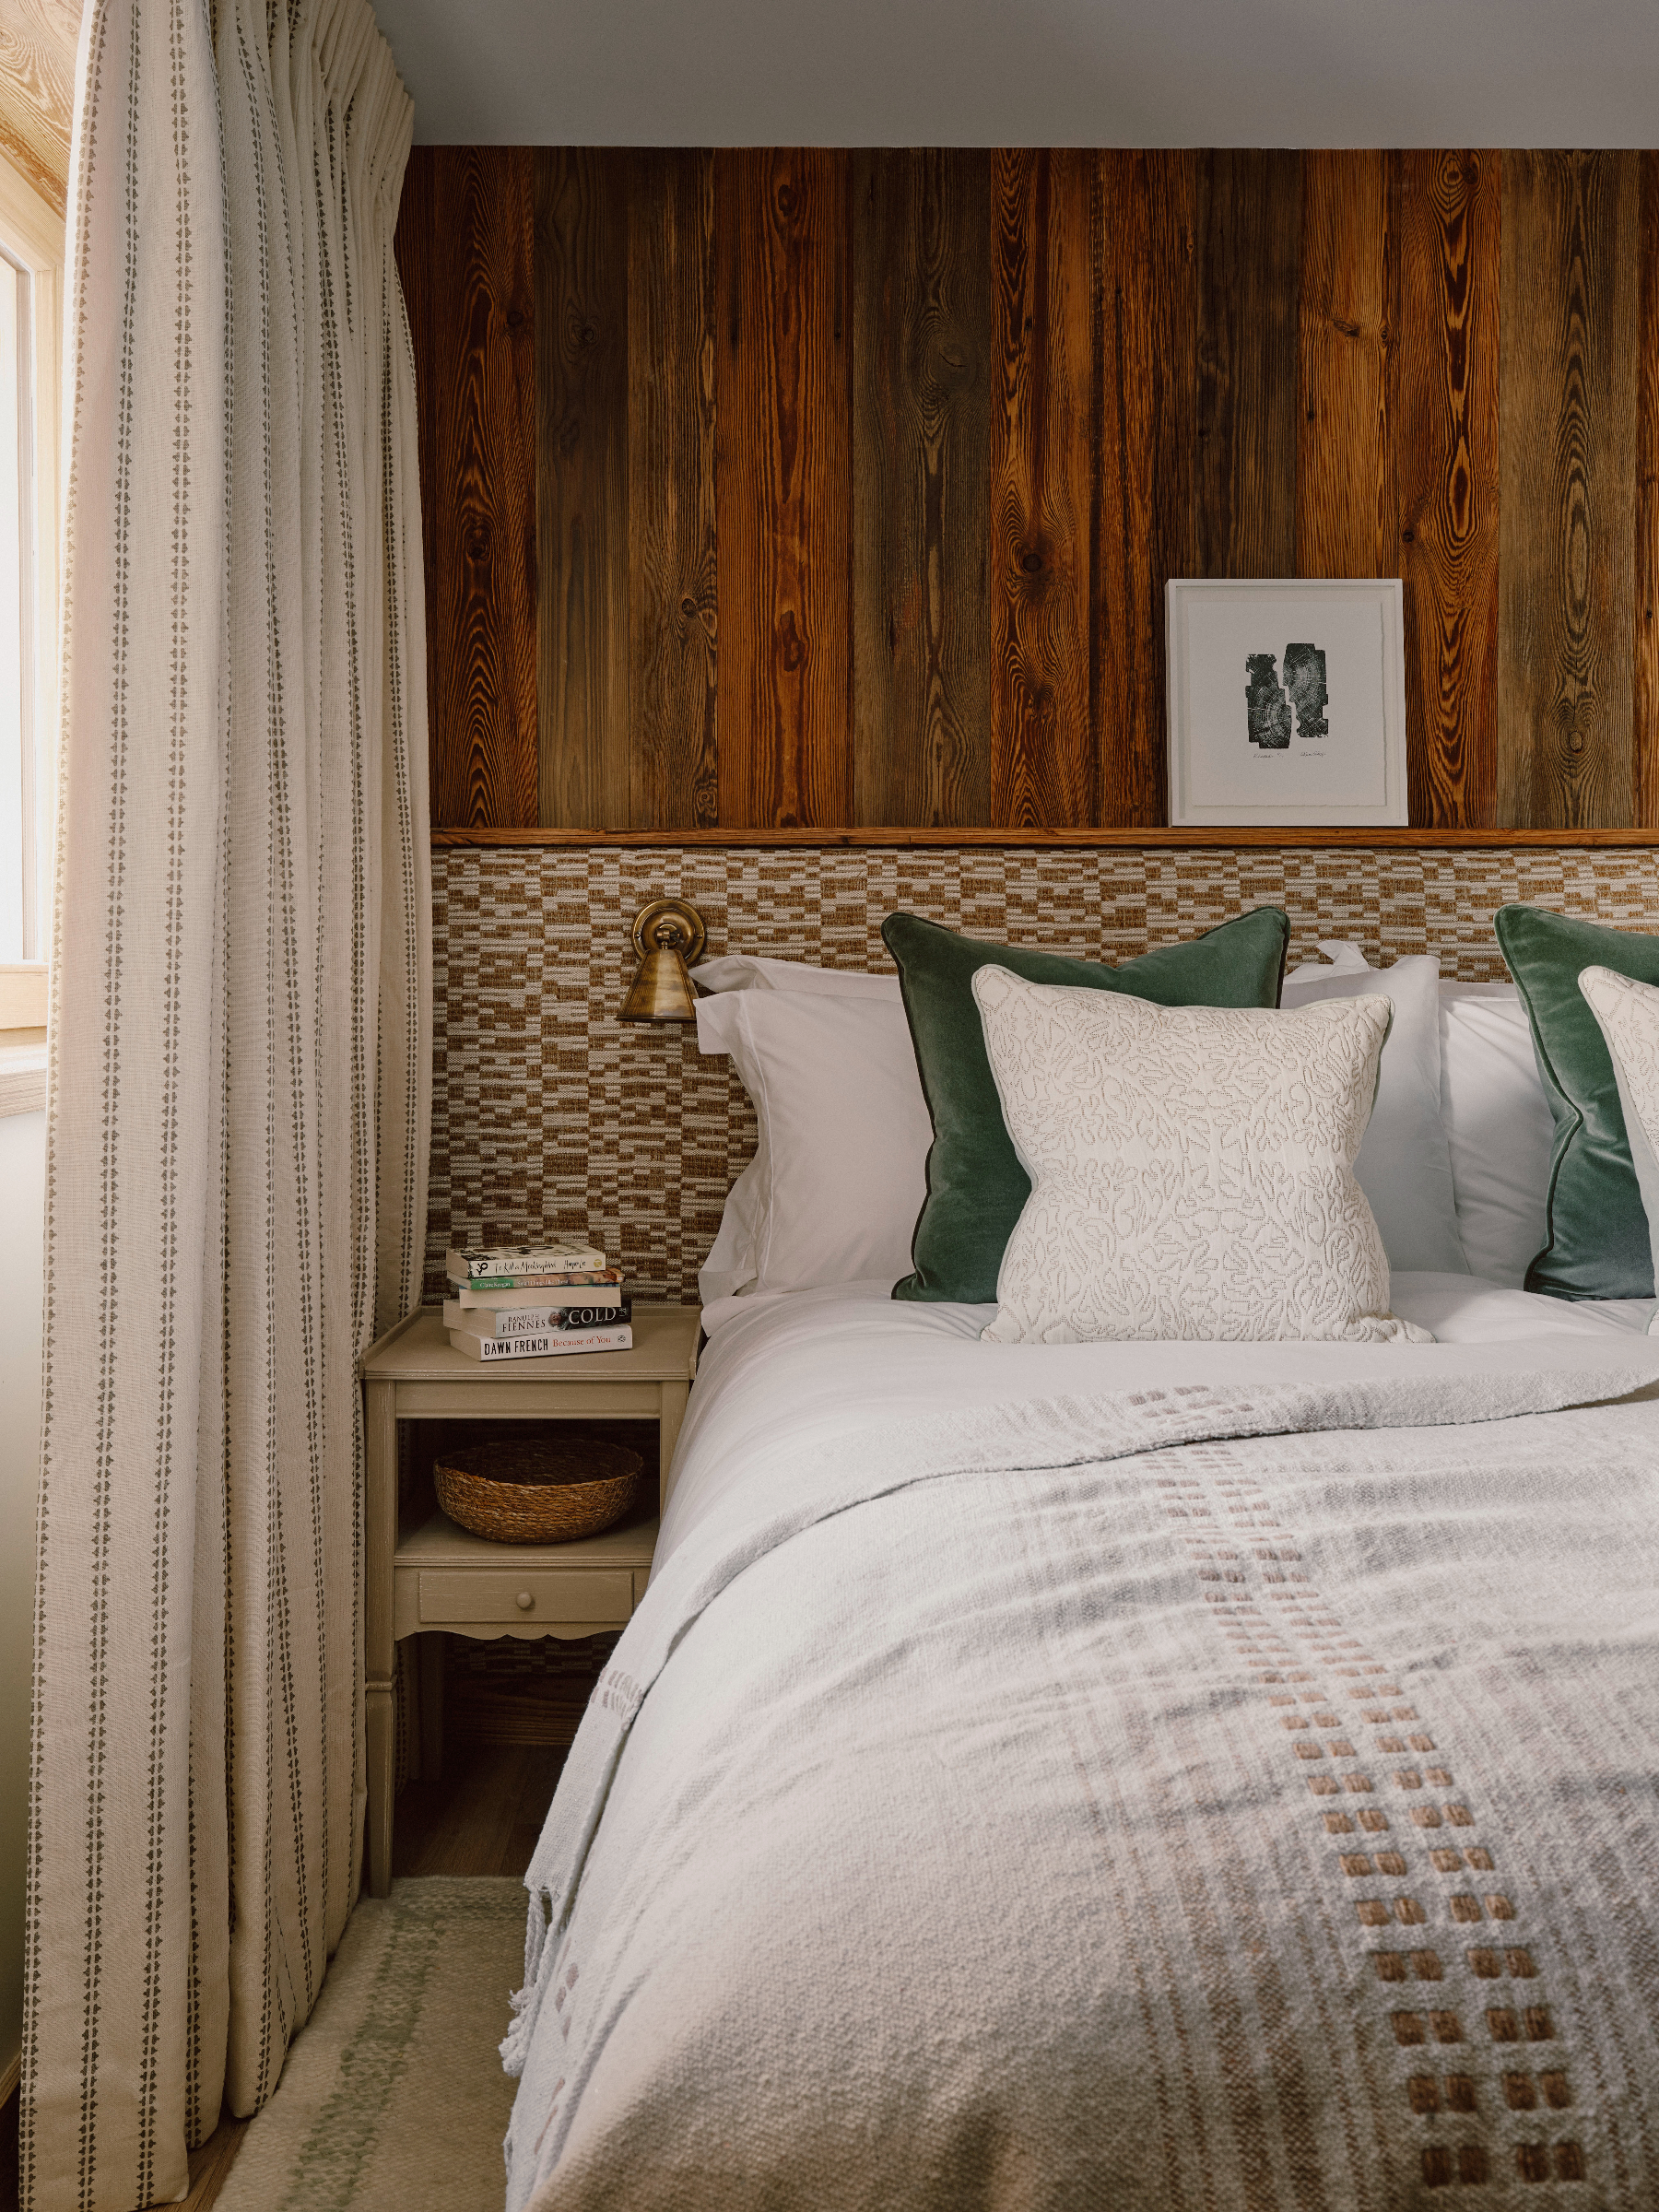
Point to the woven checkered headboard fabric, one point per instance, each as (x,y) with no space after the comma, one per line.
(548,1114)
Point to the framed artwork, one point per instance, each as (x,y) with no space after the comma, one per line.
(1286,703)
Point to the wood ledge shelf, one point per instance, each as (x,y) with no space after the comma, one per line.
(1397,839)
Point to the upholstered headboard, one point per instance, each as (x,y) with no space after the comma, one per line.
(548,1113)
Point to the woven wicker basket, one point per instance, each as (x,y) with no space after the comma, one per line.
(524,1491)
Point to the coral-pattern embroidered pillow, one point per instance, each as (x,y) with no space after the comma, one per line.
(1192,1168)
(1628,1015)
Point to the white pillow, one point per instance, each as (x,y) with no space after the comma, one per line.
(833,1190)
(1405,1164)
(1340,953)
(1192,1168)
(756,972)
(1627,1013)
(1498,1127)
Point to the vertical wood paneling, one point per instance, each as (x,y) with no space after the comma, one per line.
(1249,250)
(1345,507)
(783,428)
(921,341)
(1042,415)
(1567,533)
(1144,500)
(481,437)
(855,482)
(412,242)
(1446,461)
(1645,701)
(581,536)
(673,626)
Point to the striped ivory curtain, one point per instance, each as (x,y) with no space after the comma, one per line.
(240,1090)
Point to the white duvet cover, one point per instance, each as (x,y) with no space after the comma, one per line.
(1135,1776)
(820,1364)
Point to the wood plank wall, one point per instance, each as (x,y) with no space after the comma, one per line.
(781,487)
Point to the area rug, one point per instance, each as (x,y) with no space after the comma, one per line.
(393,2098)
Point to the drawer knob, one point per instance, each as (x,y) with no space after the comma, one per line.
(525,1601)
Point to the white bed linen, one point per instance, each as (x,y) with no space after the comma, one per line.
(941,1848)
(1405,1164)
(826,1364)
(839,1173)
(1498,1127)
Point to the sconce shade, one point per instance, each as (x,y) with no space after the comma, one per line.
(668,935)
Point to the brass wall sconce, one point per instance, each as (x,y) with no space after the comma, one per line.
(669,937)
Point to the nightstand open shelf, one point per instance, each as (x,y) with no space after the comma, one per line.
(438,1579)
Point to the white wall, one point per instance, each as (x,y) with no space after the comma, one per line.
(1028,71)
(22,1202)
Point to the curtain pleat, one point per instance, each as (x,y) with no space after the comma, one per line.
(240,1037)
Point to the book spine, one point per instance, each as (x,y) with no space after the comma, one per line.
(478,1290)
(562,1319)
(533,1319)
(473,1267)
(547,1345)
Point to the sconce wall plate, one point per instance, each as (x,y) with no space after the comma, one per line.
(695,935)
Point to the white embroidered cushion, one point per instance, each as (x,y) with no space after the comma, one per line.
(1192,1168)
(1629,1014)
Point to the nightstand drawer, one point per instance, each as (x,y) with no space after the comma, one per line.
(603,1596)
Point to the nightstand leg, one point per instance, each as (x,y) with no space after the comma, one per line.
(672,1412)
(434,1656)
(380,1652)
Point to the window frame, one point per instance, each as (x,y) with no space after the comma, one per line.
(33,234)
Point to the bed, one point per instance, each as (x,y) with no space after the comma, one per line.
(1120,1775)
(1184,1732)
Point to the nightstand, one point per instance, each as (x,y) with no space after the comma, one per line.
(440,1578)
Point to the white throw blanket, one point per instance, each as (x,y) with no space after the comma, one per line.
(1185,1797)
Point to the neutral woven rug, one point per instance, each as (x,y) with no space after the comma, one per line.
(393,2098)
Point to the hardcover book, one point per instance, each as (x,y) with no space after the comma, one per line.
(510,1259)
(591,1283)
(547,1344)
(535,1319)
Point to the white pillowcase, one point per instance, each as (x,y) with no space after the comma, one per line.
(1192,1168)
(758,972)
(841,1172)
(1495,1120)
(1498,1127)
(1405,1164)
(1627,1013)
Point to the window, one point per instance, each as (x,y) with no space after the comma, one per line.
(31,253)
(20,780)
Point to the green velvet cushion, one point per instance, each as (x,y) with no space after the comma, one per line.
(1597,1226)
(976,1186)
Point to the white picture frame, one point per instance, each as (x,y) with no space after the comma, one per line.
(1286,703)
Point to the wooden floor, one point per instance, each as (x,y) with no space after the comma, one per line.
(483,1817)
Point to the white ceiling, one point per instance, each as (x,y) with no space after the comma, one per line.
(1029,72)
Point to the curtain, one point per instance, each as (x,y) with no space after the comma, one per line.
(240,1087)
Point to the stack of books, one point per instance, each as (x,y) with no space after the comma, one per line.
(534,1301)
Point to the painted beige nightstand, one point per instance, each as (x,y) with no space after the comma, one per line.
(440,1578)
